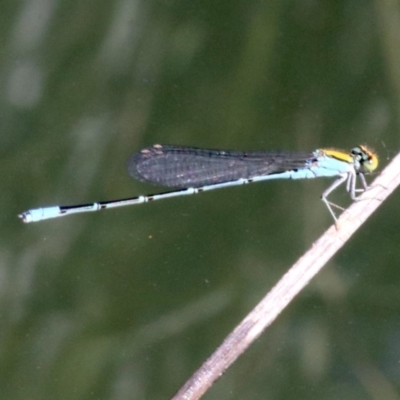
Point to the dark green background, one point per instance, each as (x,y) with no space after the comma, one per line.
(127,303)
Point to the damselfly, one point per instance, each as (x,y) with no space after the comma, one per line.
(192,170)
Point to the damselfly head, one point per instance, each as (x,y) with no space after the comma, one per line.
(367,158)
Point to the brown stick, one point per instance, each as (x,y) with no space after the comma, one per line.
(291,283)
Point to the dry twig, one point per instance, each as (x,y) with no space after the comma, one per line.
(291,284)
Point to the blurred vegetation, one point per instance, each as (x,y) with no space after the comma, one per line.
(126,304)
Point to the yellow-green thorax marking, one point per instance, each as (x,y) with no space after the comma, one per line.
(364,159)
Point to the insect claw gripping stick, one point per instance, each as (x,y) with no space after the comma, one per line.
(193,170)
